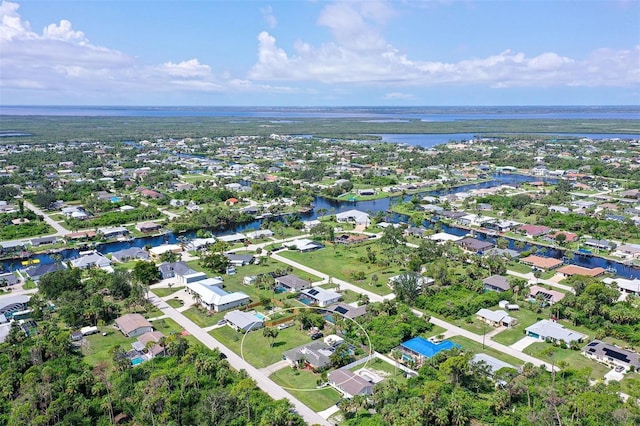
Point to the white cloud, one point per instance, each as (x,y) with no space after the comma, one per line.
(269,17)
(187,69)
(360,55)
(64,32)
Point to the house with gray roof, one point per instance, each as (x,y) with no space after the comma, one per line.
(611,355)
(354,216)
(243,321)
(171,269)
(292,283)
(497,283)
(130,254)
(349,383)
(550,330)
(11,304)
(214,298)
(37,271)
(474,245)
(8,279)
(347,310)
(315,355)
(133,325)
(493,364)
(36,242)
(93,260)
(239,259)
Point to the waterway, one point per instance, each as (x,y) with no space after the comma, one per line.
(372,207)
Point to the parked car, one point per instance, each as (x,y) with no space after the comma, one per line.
(222,322)
(285,325)
(316,336)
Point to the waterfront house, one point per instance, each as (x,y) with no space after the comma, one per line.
(544,263)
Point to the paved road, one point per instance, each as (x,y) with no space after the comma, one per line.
(60,230)
(533,280)
(452,329)
(263,382)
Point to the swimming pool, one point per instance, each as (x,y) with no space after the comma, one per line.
(136,361)
(306,301)
(260,316)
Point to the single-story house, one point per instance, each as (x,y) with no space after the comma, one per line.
(600,244)
(533,230)
(113,232)
(494,364)
(349,383)
(232,238)
(506,253)
(152,350)
(303,245)
(628,251)
(497,283)
(80,235)
(37,271)
(624,285)
(550,330)
(292,283)
(569,237)
(93,260)
(550,296)
(496,318)
(260,233)
(239,259)
(198,244)
(130,254)
(348,239)
(320,296)
(8,279)
(164,248)
(147,227)
(243,321)
(544,263)
(315,355)
(418,232)
(571,270)
(11,304)
(133,325)
(474,245)
(36,242)
(347,310)
(443,237)
(500,225)
(354,216)
(611,355)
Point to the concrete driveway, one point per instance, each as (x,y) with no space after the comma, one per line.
(524,342)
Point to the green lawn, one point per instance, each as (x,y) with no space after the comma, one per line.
(344,261)
(256,349)
(166,291)
(519,267)
(29,285)
(201,318)
(317,400)
(175,303)
(476,348)
(97,347)
(436,330)
(525,318)
(167,326)
(574,359)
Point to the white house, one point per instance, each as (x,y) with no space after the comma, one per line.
(354,216)
(320,296)
(214,298)
(546,329)
(243,321)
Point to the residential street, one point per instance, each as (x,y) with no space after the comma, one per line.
(263,382)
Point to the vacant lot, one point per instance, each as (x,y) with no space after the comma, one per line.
(307,393)
(573,359)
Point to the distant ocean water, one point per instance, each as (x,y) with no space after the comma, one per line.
(373,114)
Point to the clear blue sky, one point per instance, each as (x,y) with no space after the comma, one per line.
(313,52)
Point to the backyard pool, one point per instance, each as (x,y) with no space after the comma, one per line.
(306,301)
(136,361)
(260,316)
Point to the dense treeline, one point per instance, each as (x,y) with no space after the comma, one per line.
(451,390)
(44,381)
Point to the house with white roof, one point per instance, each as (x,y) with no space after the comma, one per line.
(243,321)
(303,245)
(496,318)
(624,285)
(320,296)
(93,260)
(354,216)
(547,329)
(213,297)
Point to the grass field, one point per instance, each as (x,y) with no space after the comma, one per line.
(201,318)
(175,303)
(574,359)
(525,318)
(476,348)
(166,291)
(317,400)
(345,261)
(96,347)
(518,267)
(256,348)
